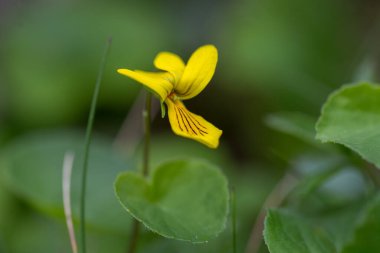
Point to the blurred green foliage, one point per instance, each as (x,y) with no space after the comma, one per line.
(52,56)
(274,56)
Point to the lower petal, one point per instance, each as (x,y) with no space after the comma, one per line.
(190,125)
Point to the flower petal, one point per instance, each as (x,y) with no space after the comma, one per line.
(158,82)
(198,72)
(171,63)
(190,125)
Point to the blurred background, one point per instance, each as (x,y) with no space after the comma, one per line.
(278,61)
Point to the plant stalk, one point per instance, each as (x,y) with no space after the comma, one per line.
(90,124)
(233,219)
(274,199)
(145,169)
(147,118)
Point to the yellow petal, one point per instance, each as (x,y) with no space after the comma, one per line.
(198,72)
(158,82)
(171,63)
(190,125)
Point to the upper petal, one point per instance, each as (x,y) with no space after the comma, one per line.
(171,63)
(190,125)
(198,72)
(158,82)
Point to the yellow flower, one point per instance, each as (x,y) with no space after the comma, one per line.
(180,82)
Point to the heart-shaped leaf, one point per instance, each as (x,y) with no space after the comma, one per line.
(351,116)
(184,199)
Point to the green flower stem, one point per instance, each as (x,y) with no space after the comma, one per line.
(145,169)
(372,174)
(90,124)
(274,199)
(367,169)
(147,117)
(135,230)
(233,219)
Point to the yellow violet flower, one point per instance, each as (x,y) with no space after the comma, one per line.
(180,82)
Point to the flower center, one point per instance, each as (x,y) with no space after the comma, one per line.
(173,96)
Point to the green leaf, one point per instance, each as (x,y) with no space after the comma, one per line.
(33,232)
(351,117)
(285,232)
(366,236)
(31,167)
(184,199)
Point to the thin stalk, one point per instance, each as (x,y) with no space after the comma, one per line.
(134,236)
(135,229)
(369,170)
(90,124)
(233,219)
(274,199)
(147,116)
(372,173)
